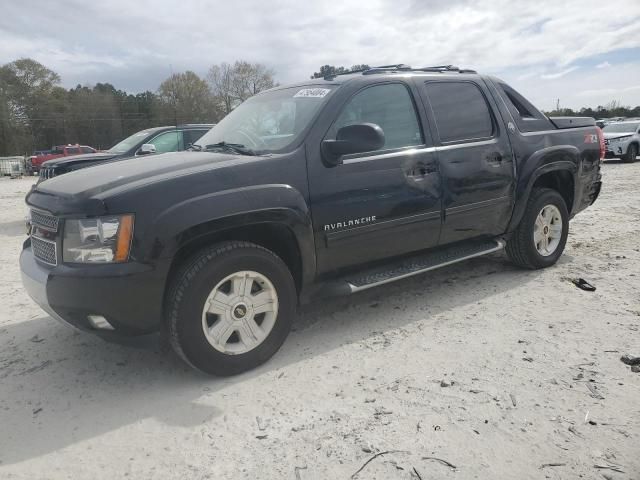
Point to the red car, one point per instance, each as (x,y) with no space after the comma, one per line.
(57,152)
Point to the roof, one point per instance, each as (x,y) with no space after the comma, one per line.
(384,71)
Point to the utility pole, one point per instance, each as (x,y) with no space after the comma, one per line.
(175,98)
(558,105)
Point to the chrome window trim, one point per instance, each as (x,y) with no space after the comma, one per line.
(418,149)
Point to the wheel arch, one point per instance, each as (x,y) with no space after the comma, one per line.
(555,168)
(275,236)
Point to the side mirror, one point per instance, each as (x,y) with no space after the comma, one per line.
(358,138)
(146,149)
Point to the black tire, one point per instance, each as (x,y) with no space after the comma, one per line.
(632,153)
(521,248)
(190,288)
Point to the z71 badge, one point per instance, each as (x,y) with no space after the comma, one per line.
(349,223)
(591,138)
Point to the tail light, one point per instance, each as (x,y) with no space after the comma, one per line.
(601,141)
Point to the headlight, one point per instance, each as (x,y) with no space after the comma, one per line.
(619,139)
(97,240)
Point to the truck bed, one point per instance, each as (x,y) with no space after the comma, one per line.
(573,122)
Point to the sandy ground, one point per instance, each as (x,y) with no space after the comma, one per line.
(358,376)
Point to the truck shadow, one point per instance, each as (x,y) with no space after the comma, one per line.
(60,387)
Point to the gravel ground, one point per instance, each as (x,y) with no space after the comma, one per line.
(496,371)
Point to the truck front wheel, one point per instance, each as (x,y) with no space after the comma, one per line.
(542,233)
(230,308)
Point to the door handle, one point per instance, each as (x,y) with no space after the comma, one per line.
(422,171)
(494,159)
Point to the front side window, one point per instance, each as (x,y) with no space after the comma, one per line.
(87,150)
(390,107)
(73,151)
(168,142)
(460,110)
(270,121)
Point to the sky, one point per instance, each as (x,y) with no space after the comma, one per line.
(584,53)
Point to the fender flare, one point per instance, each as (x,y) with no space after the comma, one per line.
(207,214)
(552,159)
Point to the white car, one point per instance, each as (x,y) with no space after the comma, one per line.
(622,140)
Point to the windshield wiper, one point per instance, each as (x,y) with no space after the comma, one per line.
(230,147)
(195,147)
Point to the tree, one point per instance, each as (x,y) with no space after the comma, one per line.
(26,88)
(233,84)
(250,79)
(188,97)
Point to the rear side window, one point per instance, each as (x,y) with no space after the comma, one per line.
(527,117)
(461,111)
(389,106)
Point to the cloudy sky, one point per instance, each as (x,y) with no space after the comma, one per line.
(584,52)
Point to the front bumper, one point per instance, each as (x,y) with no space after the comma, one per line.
(129,296)
(616,149)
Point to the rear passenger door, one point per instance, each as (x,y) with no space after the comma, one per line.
(475,159)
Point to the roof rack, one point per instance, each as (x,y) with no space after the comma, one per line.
(406,68)
(401,67)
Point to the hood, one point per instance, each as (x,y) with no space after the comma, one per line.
(101,180)
(72,159)
(617,134)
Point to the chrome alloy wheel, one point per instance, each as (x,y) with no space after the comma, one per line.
(547,231)
(240,312)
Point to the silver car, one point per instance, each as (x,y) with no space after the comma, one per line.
(622,140)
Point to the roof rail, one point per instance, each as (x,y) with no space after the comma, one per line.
(387,68)
(401,67)
(406,68)
(445,68)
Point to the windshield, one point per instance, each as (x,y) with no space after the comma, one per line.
(129,142)
(270,121)
(621,127)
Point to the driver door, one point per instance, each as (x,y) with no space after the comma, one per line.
(380,203)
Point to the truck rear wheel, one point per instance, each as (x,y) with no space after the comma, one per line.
(632,153)
(230,308)
(542,233)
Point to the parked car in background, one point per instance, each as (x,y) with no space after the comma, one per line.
(145,142)
(602,122)
(36,160)
(622,140)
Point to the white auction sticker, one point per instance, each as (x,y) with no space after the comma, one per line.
(312,92)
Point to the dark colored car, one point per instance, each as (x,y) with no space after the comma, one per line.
(152,140)
(328,187)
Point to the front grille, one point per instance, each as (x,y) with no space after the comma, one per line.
(47,172)
(44,220)
(44,250)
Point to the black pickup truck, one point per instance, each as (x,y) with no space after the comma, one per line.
(327,187)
